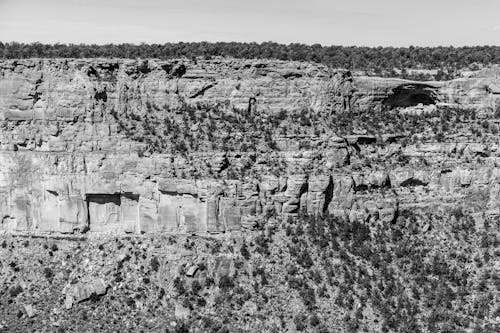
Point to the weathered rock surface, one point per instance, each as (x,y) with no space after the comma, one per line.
(82,291)
(73,157)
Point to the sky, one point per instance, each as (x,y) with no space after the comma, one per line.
(328,22)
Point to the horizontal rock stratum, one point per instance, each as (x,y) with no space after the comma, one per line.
(211,146)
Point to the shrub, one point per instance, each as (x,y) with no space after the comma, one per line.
(300,322)
(314,320)
(16,290)
(155,264)
(308,297)
(244,251)
(179,286)
(226,282)
(48,273)
(196,287)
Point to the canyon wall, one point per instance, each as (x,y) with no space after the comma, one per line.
(222,145)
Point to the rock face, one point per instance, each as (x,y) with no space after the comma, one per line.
(113,146)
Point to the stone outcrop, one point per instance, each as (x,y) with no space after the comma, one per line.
(82,291)
(73,156)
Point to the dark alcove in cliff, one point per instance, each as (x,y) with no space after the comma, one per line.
(411,95)
(100,95)
(103,209)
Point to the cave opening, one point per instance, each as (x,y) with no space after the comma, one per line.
(103,209)
(411,95)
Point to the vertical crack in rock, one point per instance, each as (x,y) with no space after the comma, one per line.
(36,94)
(328,195)
(252,105)
(303,190)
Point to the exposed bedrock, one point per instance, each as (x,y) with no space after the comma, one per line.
(76,135)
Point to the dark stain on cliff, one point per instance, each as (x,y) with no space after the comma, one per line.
(92,72)
(179,70)
(412,182)
(101,95)
(35,96)
(202,91)
(109,67)
(144,67)
(174,70)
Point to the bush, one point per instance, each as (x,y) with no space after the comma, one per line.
(48,273)
(308,297)
(244,251)
(381,60)
(300,322)
(314,320)
(179,286)
(16,290)
(195,287)
(226,282)
(155,264)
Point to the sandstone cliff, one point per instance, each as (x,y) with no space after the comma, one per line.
(212,146)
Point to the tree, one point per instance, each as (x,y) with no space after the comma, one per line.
(383,59)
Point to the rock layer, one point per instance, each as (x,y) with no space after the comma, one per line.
(72,160)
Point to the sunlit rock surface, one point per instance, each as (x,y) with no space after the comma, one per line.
(71,159)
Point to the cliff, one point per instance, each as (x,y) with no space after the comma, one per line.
(212,146)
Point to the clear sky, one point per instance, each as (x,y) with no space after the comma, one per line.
(328,22)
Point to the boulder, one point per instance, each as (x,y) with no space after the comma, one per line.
(79,292)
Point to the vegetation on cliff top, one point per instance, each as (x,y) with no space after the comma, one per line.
(380,60)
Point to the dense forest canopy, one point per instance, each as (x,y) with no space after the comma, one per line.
(380,60)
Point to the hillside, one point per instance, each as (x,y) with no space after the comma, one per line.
(234,195)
